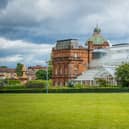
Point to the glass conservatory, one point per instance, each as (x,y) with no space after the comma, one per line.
(104,64)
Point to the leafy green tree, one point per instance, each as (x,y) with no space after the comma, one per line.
(19,69)
(41,74)
(122,74)
(3,66)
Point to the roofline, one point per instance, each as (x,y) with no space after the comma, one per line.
(66,40)
(120,44)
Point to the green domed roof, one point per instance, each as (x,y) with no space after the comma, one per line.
(97,30)
(97,38)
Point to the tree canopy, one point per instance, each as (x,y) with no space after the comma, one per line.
(122,74)
(42,74)
(19,69)
(3,66)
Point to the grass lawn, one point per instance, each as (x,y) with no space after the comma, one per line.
(64,111)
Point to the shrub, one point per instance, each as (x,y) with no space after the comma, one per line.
(79,85)
(13,82)
(69,90)
(122,74)
(102,82)
(2,83)
(36,84)
(70,84)
(18,86)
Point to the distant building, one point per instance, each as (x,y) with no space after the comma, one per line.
(8,73)
(70,60)
(105,58)
(28,73)
(95,42)
(31,71)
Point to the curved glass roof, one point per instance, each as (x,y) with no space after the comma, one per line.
(105,65)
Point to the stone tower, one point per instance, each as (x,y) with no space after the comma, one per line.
(97,41)
(69,61)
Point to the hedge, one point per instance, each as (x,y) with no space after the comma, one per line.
(71,90)
(13,82)
(36,84)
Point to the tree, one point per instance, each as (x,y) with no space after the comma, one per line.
(122,74)
(41,74)
(19,69)
(3,66)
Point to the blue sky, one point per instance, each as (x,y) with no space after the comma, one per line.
(30,28)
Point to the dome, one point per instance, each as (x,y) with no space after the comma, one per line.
(97,29)
(97,38)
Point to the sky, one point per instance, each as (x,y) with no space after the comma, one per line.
(30,28)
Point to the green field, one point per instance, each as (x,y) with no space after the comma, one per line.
(64,111)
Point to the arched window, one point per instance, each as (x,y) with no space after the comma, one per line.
(56,70)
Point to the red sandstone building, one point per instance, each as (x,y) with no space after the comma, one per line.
(70,60)
(8,73)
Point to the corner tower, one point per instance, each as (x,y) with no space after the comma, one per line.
(69,61)
(96,41)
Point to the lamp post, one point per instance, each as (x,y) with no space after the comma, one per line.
(47,84)
(127,59)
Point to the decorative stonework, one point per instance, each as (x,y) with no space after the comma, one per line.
(68,63)
(70,60)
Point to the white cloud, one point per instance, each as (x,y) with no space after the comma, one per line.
(25,52)
(13,58)
(22,45)
(60,17)
(113,18)
(55,19)
(31,11)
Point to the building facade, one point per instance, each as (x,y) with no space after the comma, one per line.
(8,73)
(97,41)
(70,60)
